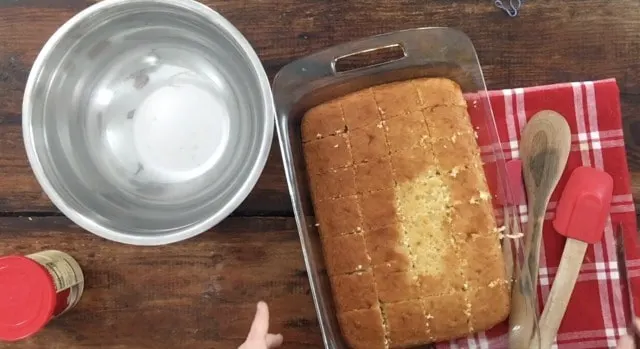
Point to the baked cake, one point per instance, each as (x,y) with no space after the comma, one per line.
(405,215)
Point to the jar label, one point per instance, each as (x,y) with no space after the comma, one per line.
(66,275)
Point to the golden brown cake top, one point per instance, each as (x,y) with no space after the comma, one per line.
(405,215)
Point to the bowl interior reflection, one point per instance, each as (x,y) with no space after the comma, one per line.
(148,121)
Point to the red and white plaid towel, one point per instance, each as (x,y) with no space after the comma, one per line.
(595,317)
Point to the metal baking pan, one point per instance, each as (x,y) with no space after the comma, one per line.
(312,80)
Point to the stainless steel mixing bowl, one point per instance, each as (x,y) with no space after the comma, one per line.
(147,121)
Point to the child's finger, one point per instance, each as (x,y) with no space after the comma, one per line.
(260,325)
(274,340)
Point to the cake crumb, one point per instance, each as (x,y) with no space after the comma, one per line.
(318,136)
(475,134)
(467,310)
(317,224)
(465,286)
(454,171)
(429,316)
(484,196)
(381,111)
(497,282)
(454,138)
(474,200)
(358,229)
(511,236)
(335,146)
(515,235)
(338,131)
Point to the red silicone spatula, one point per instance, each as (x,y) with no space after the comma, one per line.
(581,215)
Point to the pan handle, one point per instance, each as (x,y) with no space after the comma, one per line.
(420,47)
(392,51)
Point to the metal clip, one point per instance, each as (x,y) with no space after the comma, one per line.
(512,10)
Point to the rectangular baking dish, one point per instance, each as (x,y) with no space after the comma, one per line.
(312,80)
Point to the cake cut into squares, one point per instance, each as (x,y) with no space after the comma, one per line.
(346,254)
(417,245)
(320,121)
(355,291)
(323,155)
(368,143)
(338,216)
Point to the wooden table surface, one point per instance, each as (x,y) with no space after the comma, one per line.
(201,293)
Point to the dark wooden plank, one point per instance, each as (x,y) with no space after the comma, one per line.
(550,41)
(197,294)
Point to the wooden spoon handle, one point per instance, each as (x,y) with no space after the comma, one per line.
(524,293)
(522,324)
(522,321)
(563,285)
(532,247)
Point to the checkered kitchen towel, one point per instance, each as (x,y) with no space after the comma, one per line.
(595,317)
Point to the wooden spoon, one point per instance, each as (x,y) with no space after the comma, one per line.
(544,149)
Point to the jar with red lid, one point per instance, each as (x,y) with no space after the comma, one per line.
(35,289)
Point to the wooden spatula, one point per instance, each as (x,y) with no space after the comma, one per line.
(544,149)
(580,216)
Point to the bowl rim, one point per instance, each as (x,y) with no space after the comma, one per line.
(255,171)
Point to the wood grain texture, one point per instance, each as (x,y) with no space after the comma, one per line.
(561,290)
(550,41)
(201,293)
(197,294)
(544,148)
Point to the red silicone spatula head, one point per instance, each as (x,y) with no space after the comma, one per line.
(584,205)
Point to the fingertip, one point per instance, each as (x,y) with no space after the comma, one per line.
(262,309)
(260,325)
(626,342)
(274,340)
